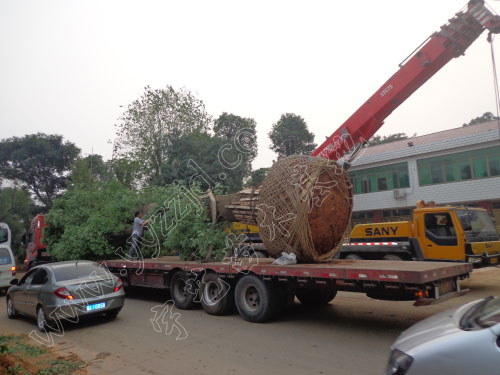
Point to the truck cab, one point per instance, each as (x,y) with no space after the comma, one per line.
(445,233)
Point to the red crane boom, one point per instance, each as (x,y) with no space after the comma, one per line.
(441,47)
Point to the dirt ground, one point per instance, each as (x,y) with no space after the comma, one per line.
(352,335)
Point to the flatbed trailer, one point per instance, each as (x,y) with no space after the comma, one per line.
(261,291)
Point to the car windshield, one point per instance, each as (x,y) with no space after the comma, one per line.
(5,256)
(477,225)
(482,315)
(4,235)
(77,270)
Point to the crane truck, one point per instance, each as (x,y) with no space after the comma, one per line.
(447,233)
(260,290)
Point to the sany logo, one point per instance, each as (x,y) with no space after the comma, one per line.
(386,90)
(381,231)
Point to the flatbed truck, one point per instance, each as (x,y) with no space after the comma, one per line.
(261,291)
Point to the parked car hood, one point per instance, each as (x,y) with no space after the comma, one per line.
(436,326)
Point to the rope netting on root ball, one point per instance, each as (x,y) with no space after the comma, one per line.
(305,206)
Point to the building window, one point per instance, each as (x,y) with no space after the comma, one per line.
(476,164)
(384,178)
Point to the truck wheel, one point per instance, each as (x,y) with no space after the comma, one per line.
(181,290)
(256,300)
(392,257)
(315,297)
(217,296)
(353,256)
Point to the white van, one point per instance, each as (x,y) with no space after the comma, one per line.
(7,259)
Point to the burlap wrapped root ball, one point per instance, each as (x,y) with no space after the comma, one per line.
(305,206)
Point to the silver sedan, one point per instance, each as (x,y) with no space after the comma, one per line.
(464,340)
(55,292)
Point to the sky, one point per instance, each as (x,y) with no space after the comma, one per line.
(71,67)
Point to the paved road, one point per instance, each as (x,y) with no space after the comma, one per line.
(350,336)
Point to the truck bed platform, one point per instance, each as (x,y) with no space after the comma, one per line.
(342,269)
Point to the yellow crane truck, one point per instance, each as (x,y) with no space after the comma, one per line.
(447,233)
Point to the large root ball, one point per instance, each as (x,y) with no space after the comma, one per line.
(305,205)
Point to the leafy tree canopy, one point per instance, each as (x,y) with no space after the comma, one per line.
(209,160)
(89,169)
(155,122)
(290,136)
(81,221)
(241,139)
(40,162)
(257,177)
(486,117)
(378,140)
(94,222)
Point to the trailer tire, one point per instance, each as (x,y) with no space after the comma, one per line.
(256,300)
(315,297)
(217,296)
(353,257)
(392,257)
(181,292)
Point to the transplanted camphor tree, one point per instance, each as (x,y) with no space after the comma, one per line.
(40,162)
(290,136)
(154,123)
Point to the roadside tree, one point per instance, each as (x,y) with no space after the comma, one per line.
(40,162)
(290,136)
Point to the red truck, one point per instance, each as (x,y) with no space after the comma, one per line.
(36,250)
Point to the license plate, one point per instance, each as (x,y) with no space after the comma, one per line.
(96,306)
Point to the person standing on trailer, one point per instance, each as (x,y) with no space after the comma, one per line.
(139,225)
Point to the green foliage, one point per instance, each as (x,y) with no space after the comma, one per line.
(210,160)
(82,221)
(40,162)
(257,177)
(290,136)
(16,210)
(378,140)
(124,170)
(486,117)
(89,169)
(62,367)
(93,222)
(182,225)
(241,134)
(155,122)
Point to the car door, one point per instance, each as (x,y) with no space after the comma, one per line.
(18,294)
(440,240)
(34,289)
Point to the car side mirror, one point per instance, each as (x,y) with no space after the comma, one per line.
(14,282)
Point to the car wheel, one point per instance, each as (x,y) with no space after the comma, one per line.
(181,290)
(41,319)
(217,296)
(11,311)
(392,257)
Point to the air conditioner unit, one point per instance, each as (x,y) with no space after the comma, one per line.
(399,193)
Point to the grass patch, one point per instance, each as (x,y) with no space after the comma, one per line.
(20,356)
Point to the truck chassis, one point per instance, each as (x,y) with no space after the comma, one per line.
(260,291)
